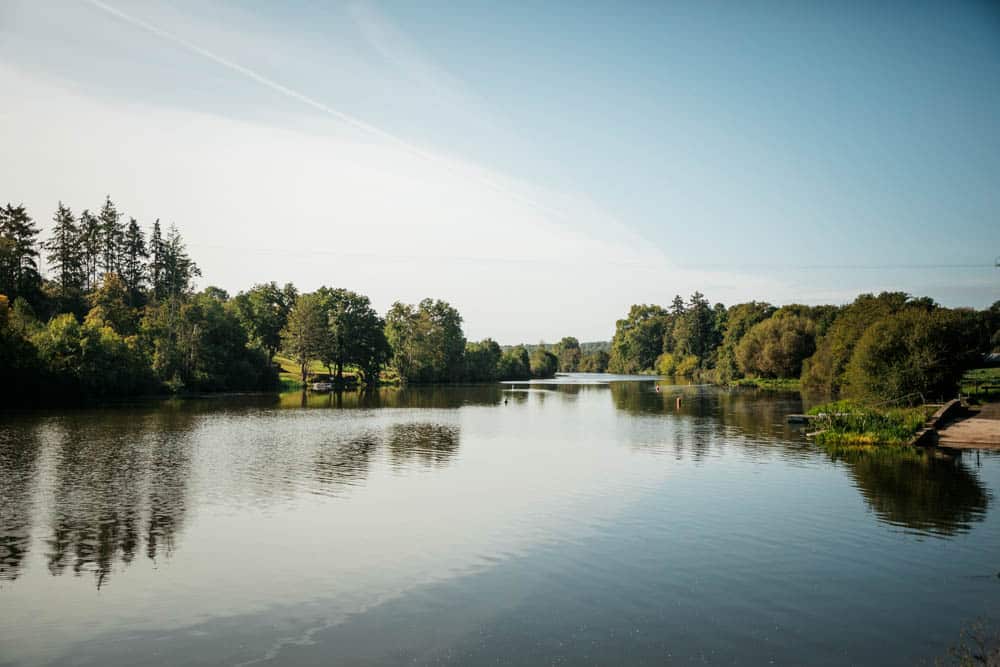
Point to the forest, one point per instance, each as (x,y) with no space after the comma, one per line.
(117,315)
(879,347)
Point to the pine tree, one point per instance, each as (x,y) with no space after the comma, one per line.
(112,237)
(92,244)
(133,264)
(157,252)
(179,270)
(19,275)
(64,253)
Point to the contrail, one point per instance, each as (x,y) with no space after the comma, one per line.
(319,106)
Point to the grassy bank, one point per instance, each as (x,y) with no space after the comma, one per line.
(982,384)
(290,375)
(850,424)
(773,384)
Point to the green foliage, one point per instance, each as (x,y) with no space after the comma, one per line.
(90,244)
(695,332)
(19,366)
(514,364)
(112,237)
(19,271)
(739,320)
(676,364)
(771,384)
(110,306)
(594,362)
(355,334)
(65,254)
(133,256)
(914,351)
(638,339)
(482,361)
(569,353)
(427,341)
(543,364)
(304,336)
(90,360)
(263,311)
(692,330)
(826,370)
(848,422)
(179,270)
(199,344)
(22,319)
(776,347)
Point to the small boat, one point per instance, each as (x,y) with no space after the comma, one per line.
(321,387)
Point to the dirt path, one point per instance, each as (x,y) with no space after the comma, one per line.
(980,431)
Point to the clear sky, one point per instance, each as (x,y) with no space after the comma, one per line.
(540,165)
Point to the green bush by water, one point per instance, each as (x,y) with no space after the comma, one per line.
(849,423)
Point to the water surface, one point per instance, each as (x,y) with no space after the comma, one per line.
(584,521)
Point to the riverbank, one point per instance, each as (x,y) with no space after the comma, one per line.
(848,423)
(771,384)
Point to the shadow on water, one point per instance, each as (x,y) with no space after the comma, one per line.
(429,396)
(917,490)
(117,485)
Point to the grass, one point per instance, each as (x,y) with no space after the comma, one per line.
(973,381)
(848,424)
(773,384)
(290,375)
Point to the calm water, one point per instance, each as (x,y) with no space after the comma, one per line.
(574,524)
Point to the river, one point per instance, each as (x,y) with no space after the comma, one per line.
(590,520)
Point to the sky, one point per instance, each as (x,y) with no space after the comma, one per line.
(539,165)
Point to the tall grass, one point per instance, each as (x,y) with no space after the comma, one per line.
(848,423)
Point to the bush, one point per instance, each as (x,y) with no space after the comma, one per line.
(914,352)
(776,347)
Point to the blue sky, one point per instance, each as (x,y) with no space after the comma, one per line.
(529,160)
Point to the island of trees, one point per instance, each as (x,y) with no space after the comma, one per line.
(117,315)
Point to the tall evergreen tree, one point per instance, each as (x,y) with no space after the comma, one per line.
(92,245)
(133,261)
(113,236)
(64,253)
(19,274)
(157,256)
(179,271)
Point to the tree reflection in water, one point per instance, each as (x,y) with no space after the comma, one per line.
(415,396)
(917,490)
(346,462)
(910,488)
(112,482)
(431,444)
(18,471)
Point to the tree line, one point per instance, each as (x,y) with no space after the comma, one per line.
(118,315)
(878,347)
